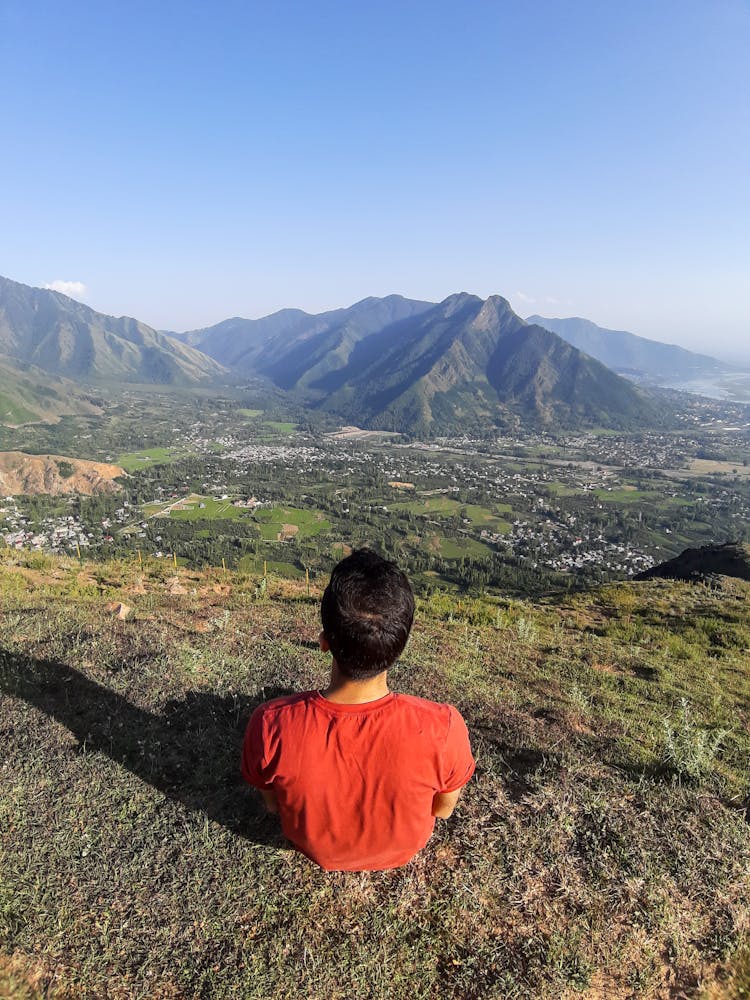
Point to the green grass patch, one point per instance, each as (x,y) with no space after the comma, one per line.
(250,414)
(278,523)
(444,507)
(601,850)
(428,506)
(14,412)
(563,489)
(456,548)
(620,495)
(275,567)
(134,460)
(282,426)
(195,507)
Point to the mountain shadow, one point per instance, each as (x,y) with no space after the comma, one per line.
(190,752)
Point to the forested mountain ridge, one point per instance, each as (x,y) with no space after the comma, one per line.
(287,344)
(629,354)
(405,365)
(65,337)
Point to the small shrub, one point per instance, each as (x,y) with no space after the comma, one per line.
(689,750)
(527,630)
(579,699)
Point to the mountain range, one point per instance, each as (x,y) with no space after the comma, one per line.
(401,364)
(384,363)
(64,337)
(630,355)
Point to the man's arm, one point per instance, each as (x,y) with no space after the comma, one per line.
(444,803)
(253,754)
(269,797)
(458,765)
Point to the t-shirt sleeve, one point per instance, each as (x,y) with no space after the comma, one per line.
(458,763)
(254,752)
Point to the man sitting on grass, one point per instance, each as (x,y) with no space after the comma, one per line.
(357,773)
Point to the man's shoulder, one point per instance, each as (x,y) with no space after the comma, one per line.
(437,712)
(285,703)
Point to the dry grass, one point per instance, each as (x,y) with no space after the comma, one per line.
(580,861)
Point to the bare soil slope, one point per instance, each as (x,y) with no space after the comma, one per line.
(55,474)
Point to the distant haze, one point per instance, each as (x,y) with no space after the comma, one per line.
(584,159)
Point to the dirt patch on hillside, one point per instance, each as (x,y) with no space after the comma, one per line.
(287,531)
(22,474)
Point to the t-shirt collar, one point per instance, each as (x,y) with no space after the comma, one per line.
(362,708)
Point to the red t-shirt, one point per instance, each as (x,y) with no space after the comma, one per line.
(355,783)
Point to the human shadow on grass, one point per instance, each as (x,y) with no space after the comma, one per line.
(190,751)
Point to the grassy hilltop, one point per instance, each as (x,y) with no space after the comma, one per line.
(602,850)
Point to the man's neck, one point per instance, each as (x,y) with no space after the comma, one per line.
(344,690)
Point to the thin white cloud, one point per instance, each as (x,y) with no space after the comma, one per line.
(540,300)
(75,289)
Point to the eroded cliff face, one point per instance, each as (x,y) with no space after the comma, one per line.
(54,475)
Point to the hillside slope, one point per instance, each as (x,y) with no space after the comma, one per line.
(65,337)
(28,395)
(28,475)
(629,354)
(601,850)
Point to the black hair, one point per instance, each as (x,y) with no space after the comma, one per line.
(367,613)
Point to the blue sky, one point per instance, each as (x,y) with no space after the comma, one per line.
(185,162)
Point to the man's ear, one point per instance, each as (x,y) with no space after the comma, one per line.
(325,646)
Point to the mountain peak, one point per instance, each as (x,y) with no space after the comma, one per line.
(459,300)
(494,310)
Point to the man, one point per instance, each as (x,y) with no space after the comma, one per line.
(357,773)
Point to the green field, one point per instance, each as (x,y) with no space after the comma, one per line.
(307,522)
(282,426)
(195,507)
(480,517)
(625,496)
(457,548)
(562,489)
(134,460)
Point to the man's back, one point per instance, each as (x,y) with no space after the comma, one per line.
(355,783)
